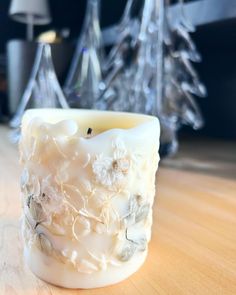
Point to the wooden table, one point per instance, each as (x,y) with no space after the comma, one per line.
(193,247)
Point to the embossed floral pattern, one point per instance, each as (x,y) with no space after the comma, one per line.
(110,171)
(132,235)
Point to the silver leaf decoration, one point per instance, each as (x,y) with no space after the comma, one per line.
(45,244)
(142,213)
(36,210)
(127,252)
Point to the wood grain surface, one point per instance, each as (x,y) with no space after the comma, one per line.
(193,247)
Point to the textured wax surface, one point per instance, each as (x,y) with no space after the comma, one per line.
(87,200)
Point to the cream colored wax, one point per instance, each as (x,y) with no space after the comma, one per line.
(87,198)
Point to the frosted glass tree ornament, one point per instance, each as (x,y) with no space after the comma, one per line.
(85,75)
(43,89)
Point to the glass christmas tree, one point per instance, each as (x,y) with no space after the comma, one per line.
(154,71)
(85,75)
(43,89)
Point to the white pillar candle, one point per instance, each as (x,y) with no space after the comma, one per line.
(88,186)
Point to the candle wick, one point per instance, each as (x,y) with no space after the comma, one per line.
(89,132)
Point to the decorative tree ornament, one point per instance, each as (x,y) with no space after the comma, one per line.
(152,70)
(85,75)
(43,89)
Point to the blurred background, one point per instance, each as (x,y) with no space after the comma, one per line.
(215,38)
